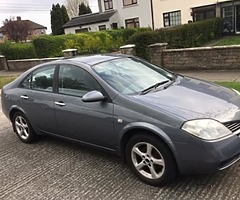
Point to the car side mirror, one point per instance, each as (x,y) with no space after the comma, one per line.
(93,96)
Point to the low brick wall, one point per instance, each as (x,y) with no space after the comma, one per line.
(25,64)
(207,58)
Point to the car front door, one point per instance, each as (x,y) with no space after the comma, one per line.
(87,122)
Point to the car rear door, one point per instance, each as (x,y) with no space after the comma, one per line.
(37,98)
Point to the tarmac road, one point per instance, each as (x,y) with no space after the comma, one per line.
(55,169)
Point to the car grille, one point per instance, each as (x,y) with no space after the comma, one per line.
(233,126)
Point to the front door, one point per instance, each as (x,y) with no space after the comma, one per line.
(86,122)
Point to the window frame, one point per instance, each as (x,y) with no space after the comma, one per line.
(133,2)
(85,71)
(135,24)
(167,18)
(31,74)
(109,4)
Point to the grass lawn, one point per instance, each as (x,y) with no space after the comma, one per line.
(6,79)
(226,40)
(234,85)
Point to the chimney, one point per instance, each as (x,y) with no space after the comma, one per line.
(100,5)
(18,18)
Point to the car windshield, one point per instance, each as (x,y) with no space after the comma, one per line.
(132,76)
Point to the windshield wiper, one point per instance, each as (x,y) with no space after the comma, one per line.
(154,87)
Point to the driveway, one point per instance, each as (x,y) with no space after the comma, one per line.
(54,169)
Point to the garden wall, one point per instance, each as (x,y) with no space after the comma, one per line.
(207,58)
(201,58)
(23,64)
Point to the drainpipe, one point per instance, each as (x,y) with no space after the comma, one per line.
(151,2)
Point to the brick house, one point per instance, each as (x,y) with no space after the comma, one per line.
(35,29)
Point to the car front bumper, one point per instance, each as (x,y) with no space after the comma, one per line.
(199,156)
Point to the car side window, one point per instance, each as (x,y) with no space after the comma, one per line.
(76,81)
(41,79)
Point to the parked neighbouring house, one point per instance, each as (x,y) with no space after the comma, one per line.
(156,14)
(35,29)
(113,14)
(92,22)
(169,13)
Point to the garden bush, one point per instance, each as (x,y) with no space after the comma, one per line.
(183,36)
(85,43)
(49,46)
(13,51)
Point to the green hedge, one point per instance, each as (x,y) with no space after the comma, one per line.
(14,51)
(183,36)
(85,43)
(188,35)
(48,46)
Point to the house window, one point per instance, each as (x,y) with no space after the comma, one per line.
(172,18)
(81,30)
(132,23)
(228,16)
(129,2)
(202,13)
(108,4)
(114,26)
(102,27)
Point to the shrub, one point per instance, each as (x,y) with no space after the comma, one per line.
(85,43)
(142,40)
(13,51)
(183,36)
(49,46)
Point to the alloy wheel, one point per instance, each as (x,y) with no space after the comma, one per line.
(22,128)
(148,160)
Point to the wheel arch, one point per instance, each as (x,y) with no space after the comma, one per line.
(13,110)
(150,129)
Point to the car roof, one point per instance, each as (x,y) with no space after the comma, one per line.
(95,59)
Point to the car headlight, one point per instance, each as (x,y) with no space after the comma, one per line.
(237,92)
(206,129)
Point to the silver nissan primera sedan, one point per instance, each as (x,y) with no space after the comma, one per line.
(161,123)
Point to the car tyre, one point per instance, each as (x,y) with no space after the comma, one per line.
(150,159)
(23,128)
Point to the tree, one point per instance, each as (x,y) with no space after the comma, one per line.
(16,30)
(64,14)
(84,9)
(59,17)
(72,7)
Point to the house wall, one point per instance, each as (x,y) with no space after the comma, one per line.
(90,27)
(142,10)
(93,27)
(164,6)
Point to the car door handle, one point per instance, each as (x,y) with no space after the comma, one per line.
(60,103)
(24,96)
